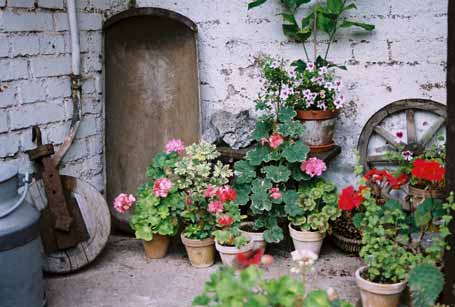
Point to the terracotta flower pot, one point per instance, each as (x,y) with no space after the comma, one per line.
(418,195)
(200,252)
(378,295)
(307,240)
(257,238)
(319,128)
(229,253)
(157,247)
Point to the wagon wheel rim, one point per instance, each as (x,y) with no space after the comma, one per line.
(417,146)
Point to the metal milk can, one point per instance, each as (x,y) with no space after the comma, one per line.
(21,277)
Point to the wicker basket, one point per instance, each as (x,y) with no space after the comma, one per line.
(351,246)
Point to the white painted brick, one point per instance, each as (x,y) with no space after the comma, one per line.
(26,140)
(32,91)
(78,150)
(89,21)
(50,66)
(25,21)
(3,121)
(12,69)
(91,62)
(9,144)
(91,41)
(88,86)
(91,105)
(4,45)
(100,4)
(61,21)
(51,4)
(51,43)
(32,114)
(95,144)
(56,133)
(21,3)
(58,87)
(8,95)
(22,45)
(88,127)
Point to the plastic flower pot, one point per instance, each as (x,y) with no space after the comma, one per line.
(418,195)
(307,240)
(319,127)
(257,238)
(200,252)
(157,247)
(378,295)
(229,253)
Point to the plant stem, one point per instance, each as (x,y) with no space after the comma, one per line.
(315,28)
(306,52)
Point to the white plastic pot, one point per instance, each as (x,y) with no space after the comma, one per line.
(257,238)
(378,295)
(229,253)
(307,240)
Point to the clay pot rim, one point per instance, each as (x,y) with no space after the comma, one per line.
(377,288)
(317,114)
(195,242)
(306,236)
(232,249)
(426,193)
(158,235)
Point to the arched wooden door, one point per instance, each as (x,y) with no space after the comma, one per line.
(152,93)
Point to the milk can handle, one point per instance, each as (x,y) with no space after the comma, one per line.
(21,200)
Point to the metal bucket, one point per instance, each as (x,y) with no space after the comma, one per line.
(319,128)
(21,277)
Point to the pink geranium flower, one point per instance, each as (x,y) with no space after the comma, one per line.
(161,187)
(275,193)
(313,167)
(275,140)
(174,145)
(210,191)
(215,207)
(123,202)
(226,193)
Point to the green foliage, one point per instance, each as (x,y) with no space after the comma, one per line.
(314,206)
(395,241)
(230,235)
(426,283)
(226,288)
(327,17)
(156,215)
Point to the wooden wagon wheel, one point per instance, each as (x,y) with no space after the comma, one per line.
(410,142)
(95,213)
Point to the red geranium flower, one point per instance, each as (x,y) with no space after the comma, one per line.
(225,220)
(396,183)
(428,170)
(350,198)
(226,193)
(249,258)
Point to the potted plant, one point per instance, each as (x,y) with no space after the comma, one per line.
(396,241)
(229,241)
(316,94)
(268,177)
(159,202)
(310,216)
(227,287)
(197,171)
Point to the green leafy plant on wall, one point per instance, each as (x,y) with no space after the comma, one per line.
(325,16)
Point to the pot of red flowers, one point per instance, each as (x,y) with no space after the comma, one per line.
(317,99)
(248,230)
(427,181)
(198,175)
(345,234)
(309,220)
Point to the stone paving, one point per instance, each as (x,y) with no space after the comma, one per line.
(121,276)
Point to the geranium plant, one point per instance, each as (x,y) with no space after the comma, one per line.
(267,179)
(427,174)
(196,171)
(316,208)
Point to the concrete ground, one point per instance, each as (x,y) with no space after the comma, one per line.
(121,276)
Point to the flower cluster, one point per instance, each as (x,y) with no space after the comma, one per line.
(161,187)
(174,145)
(274,141)
(313,167)
(350,198)
(383,178)
(428,170)
(123,202)
(219,196)
(275,193)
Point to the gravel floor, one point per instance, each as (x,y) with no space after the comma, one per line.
(121,276)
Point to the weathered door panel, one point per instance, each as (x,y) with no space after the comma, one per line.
(152,95)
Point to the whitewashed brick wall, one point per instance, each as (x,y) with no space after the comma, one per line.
(404,57)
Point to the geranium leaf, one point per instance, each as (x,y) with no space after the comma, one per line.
(244,172)
(286,114)
(263,129)
(296,152)
(243,193)
(257,155)
(273,235)
(261,185)
(291,128)
(261,202)
(277,173)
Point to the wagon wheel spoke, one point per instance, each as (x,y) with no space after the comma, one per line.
(428,136)
(411,126)
(381,159)
(388,137)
